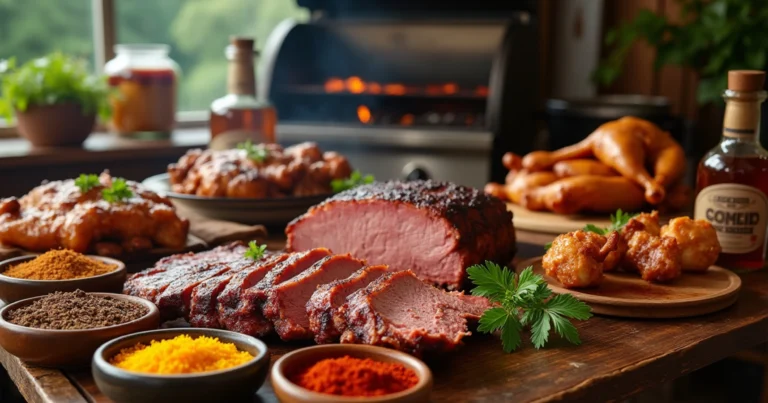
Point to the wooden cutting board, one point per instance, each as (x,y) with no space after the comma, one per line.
(627,295)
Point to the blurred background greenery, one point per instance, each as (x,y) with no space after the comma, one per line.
(197,30)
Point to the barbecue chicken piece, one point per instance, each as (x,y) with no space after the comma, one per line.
(656,258)
(625,145)
(568,168)
(264,171)
(577,259)
(599,194)
(59,215)
(650,222)
(697,240)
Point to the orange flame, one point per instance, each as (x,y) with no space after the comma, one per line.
(334,84)
(364,114)
(374,88)
(355,85)
(450,88)
(394,89)
(407,119)
(481,90)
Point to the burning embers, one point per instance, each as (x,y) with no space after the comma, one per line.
(356,85)
(432,118)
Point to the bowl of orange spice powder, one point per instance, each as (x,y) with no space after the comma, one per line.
(59,270)
(350,373)
(181,365)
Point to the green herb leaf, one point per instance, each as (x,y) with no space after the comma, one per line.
(117,192)
(547,246)
(524,301)
(257,153)
(355,179)
(618,221)
(87,182)
(255,251)
(510,334)
(595,229)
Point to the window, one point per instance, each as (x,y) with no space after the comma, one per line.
(197,30)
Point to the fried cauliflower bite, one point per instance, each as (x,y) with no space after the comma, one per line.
(650,221)
(656,258)
(577,259)
(697,240)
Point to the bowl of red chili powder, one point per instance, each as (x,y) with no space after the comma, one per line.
(350,373)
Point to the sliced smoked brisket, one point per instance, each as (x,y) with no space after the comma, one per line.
(248,317)
(325,307)
(399,311)
(286,303)
(435,229)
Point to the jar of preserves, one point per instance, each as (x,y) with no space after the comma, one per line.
(145,77)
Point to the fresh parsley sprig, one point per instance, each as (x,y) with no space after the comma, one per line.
(117,192)
(87,182)
(255,251)
(355,179)
(618,221)
(255,152)
(525,300)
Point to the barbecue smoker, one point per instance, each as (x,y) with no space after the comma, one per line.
(408,90)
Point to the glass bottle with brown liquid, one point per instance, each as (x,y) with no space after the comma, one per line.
(240,116)
(732,178)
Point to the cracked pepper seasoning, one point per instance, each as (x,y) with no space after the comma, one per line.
(348,376)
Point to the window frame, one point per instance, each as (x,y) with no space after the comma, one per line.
(103,18)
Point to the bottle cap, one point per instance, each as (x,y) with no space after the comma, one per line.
(242,42)
(746,80)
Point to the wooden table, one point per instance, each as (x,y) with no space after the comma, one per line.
(618,357)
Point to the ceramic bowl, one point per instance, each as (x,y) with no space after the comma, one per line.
(227,385)
(13,289)
(289,392)
(67,348)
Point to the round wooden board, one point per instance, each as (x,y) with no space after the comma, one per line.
(627,295)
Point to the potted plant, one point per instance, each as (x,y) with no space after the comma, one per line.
(54,98)
(714,37)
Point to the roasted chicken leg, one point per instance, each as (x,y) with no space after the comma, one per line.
(599,194)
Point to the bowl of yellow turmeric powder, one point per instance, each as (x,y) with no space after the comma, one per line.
(59,270)
(181,365)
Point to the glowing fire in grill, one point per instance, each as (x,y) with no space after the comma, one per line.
(364,114)
(356,85)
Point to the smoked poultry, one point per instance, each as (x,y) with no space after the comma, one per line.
(587,193)
(61,214)
(258,171)
(625,145)
(579,167)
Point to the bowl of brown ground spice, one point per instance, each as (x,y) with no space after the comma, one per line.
(64,329)
(59,270)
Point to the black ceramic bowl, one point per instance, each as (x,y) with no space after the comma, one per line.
(227,385)
(14,289)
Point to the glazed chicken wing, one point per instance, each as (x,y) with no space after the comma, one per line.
(656,258)
(697,240)
(58,214)
(577,259)
(625,145)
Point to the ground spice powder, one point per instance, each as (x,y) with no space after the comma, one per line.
(181,355)
(76,310)
(347,376)
(59,264)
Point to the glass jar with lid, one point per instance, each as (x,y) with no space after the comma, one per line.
(145,78)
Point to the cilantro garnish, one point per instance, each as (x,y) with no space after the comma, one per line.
(87,182)
(117,192)
(254,152)
(524,300)
(355,179)
(255,251)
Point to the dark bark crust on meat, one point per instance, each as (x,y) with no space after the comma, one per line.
(481,223)
(327,321)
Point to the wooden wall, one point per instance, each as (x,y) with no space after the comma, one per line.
(639,75)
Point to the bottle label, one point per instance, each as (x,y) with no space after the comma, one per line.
(231,138)
(738,213)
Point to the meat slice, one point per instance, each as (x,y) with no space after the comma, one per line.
(286,303)
(150,283)
(440,228)
(203,311)
(249,317)
(400,311)
(175,299)
(326,315)
(229,304)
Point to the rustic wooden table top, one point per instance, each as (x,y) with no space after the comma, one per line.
(618,357)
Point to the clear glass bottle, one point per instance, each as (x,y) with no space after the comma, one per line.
(240,115)
(145,78)
(732,178)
